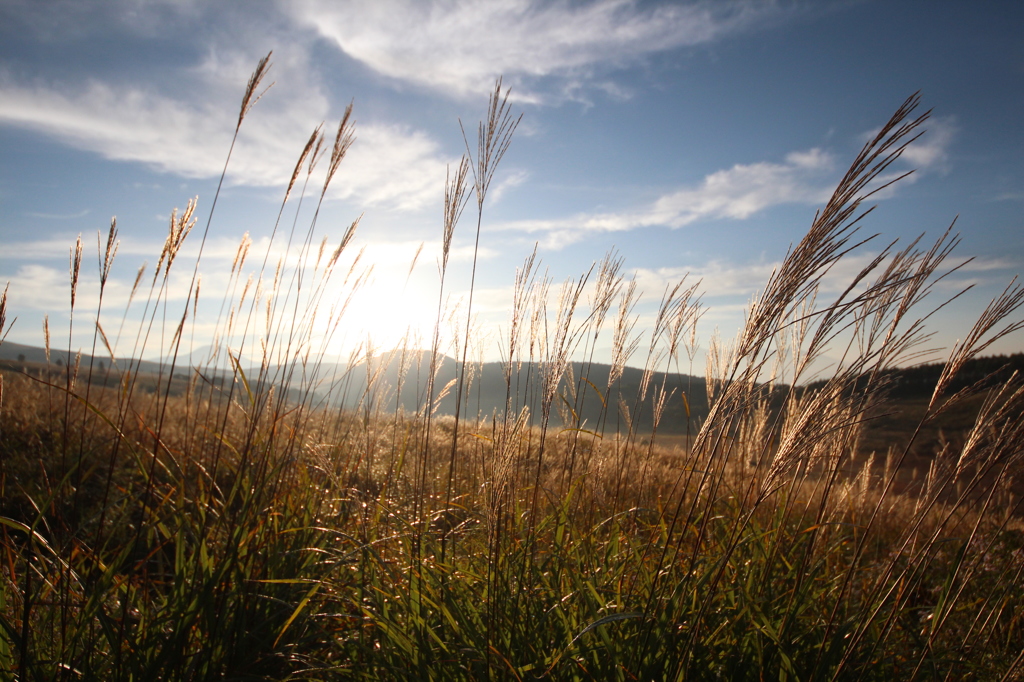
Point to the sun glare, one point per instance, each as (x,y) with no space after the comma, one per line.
(384,313)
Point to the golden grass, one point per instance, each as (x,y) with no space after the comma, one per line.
(234,524)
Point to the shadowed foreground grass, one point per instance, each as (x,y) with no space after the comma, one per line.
(232,528)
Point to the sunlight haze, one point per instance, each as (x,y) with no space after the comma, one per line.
(687,137)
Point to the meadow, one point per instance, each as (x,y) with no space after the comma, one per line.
(279,520)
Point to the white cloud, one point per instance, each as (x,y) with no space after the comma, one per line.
(50,288)
(733,280)
(507,182)
(121,123)
(52,247)
(461,46)
(393,166)
(804,177)
(58,216)
(47,289)
(736,193)
(389,166)
(930,151)
(744,190)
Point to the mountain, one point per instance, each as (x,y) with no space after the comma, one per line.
(19,353)
(401,380)
(917,383)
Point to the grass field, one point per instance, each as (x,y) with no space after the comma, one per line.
(188,525)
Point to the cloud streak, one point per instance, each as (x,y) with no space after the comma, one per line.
(734,193)
(126,124)
(460,47)
(737,193)
(390,166)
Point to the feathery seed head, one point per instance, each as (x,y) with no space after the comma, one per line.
(312,147)
(3,312)
(241,253)
(343,139)
(106,255)
(75,267)
(249,98)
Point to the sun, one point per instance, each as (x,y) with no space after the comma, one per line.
(383,313)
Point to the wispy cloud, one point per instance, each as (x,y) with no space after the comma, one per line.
(390,166)
(460,47)
(931,150)
(929,153)
(58,216)
(736,193)
(743,190)
(394,167)
(123,123)
(725,280)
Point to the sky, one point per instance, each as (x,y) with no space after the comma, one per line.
(686,138)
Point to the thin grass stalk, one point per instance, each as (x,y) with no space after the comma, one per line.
(989,318)
(609,282)
(493,139)
(177,234)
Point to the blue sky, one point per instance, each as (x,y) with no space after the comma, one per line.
(690,137)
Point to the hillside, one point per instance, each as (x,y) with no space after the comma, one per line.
(401,380)
(892,424)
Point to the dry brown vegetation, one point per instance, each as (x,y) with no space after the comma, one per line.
(236,529)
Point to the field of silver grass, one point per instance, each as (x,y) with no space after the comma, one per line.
(186,522)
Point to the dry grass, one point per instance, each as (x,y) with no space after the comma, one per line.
(237,526)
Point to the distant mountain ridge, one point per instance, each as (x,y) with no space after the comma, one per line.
(22,353)
(584,391)
(918,382)
(401,380)
(584,395)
